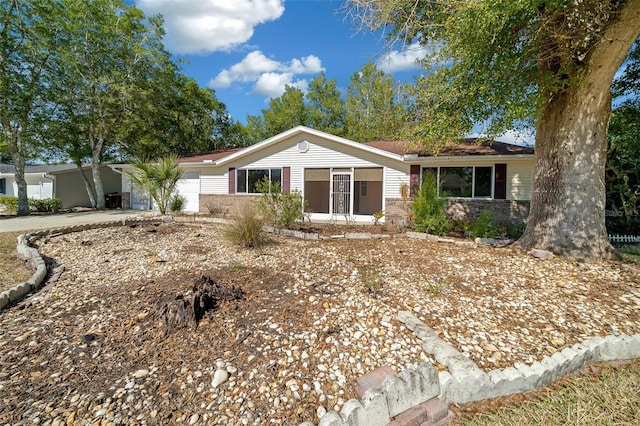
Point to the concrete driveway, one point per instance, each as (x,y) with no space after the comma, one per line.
(27,223)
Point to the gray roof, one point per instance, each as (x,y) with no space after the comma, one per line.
(41,168)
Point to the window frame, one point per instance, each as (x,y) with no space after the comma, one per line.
(246,173)
(473,180)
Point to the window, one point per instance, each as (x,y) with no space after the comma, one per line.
(463,182)
(246,179)
(3,186)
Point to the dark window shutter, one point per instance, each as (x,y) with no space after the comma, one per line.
(232,180)
(500,183)
(286,180)
(414,179)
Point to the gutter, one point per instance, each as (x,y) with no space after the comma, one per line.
(414,158)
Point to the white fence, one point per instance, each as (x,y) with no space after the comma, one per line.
(624,239)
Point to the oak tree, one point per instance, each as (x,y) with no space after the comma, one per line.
(547,64)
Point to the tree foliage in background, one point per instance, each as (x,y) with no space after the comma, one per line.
(623,156)
(176,115)
(372,110)
(159,179)
(91,81)
(111,55)
(326,109)
(27,65)
(506,64)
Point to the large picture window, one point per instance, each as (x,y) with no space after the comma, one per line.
(463,182)
(246,179)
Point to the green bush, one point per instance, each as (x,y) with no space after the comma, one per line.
(483,226)
(46,205)
(9,203)
(245,228)
(515,230)
(52,205)
(429,209)
(280,209)
(177,203)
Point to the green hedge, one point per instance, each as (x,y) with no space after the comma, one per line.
(52,205)
(9,203)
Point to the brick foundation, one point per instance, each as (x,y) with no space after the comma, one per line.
(224,205)
(504,211)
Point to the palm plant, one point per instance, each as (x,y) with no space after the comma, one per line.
(159,179)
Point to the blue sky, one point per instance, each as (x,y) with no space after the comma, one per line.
(247,50)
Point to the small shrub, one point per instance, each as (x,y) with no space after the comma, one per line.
(377,216)
(436,288)
(9,203)
(370,278)
(216,210)
(429,212)
(280,209)
(405,191)
(245,228)
(483,226)
(514,230)
(177,203)
(46,205)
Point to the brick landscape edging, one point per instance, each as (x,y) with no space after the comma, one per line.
(25,250)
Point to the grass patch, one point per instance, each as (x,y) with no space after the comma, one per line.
(609,397)
(245,228)
(13,269)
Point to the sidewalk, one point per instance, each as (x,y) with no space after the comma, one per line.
(25,223)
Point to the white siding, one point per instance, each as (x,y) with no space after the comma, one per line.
(519,180)
(214,181)
(11,188)
(321,154)
(189,188)
(393,181)
(38,188)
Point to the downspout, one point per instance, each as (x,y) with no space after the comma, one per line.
(53,184)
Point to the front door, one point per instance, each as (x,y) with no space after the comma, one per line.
(341,194)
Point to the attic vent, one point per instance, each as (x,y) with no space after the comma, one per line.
(303,146)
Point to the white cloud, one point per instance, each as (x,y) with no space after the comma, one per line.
(269,76)
(204,26)
(406,59)
(518,137)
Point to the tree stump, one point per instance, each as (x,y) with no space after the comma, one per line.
(186,311)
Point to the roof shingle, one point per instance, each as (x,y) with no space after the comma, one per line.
(469,146)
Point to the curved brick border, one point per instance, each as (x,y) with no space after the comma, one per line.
(24,249)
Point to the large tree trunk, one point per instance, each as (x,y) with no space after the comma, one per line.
(87,186)
(567,214)
(97,180)
(19,160)
(97,144)
(23,201)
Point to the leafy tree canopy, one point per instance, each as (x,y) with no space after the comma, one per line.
(509,64)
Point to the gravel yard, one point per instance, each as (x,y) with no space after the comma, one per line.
(313,317)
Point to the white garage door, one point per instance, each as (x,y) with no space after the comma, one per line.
(189,188)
